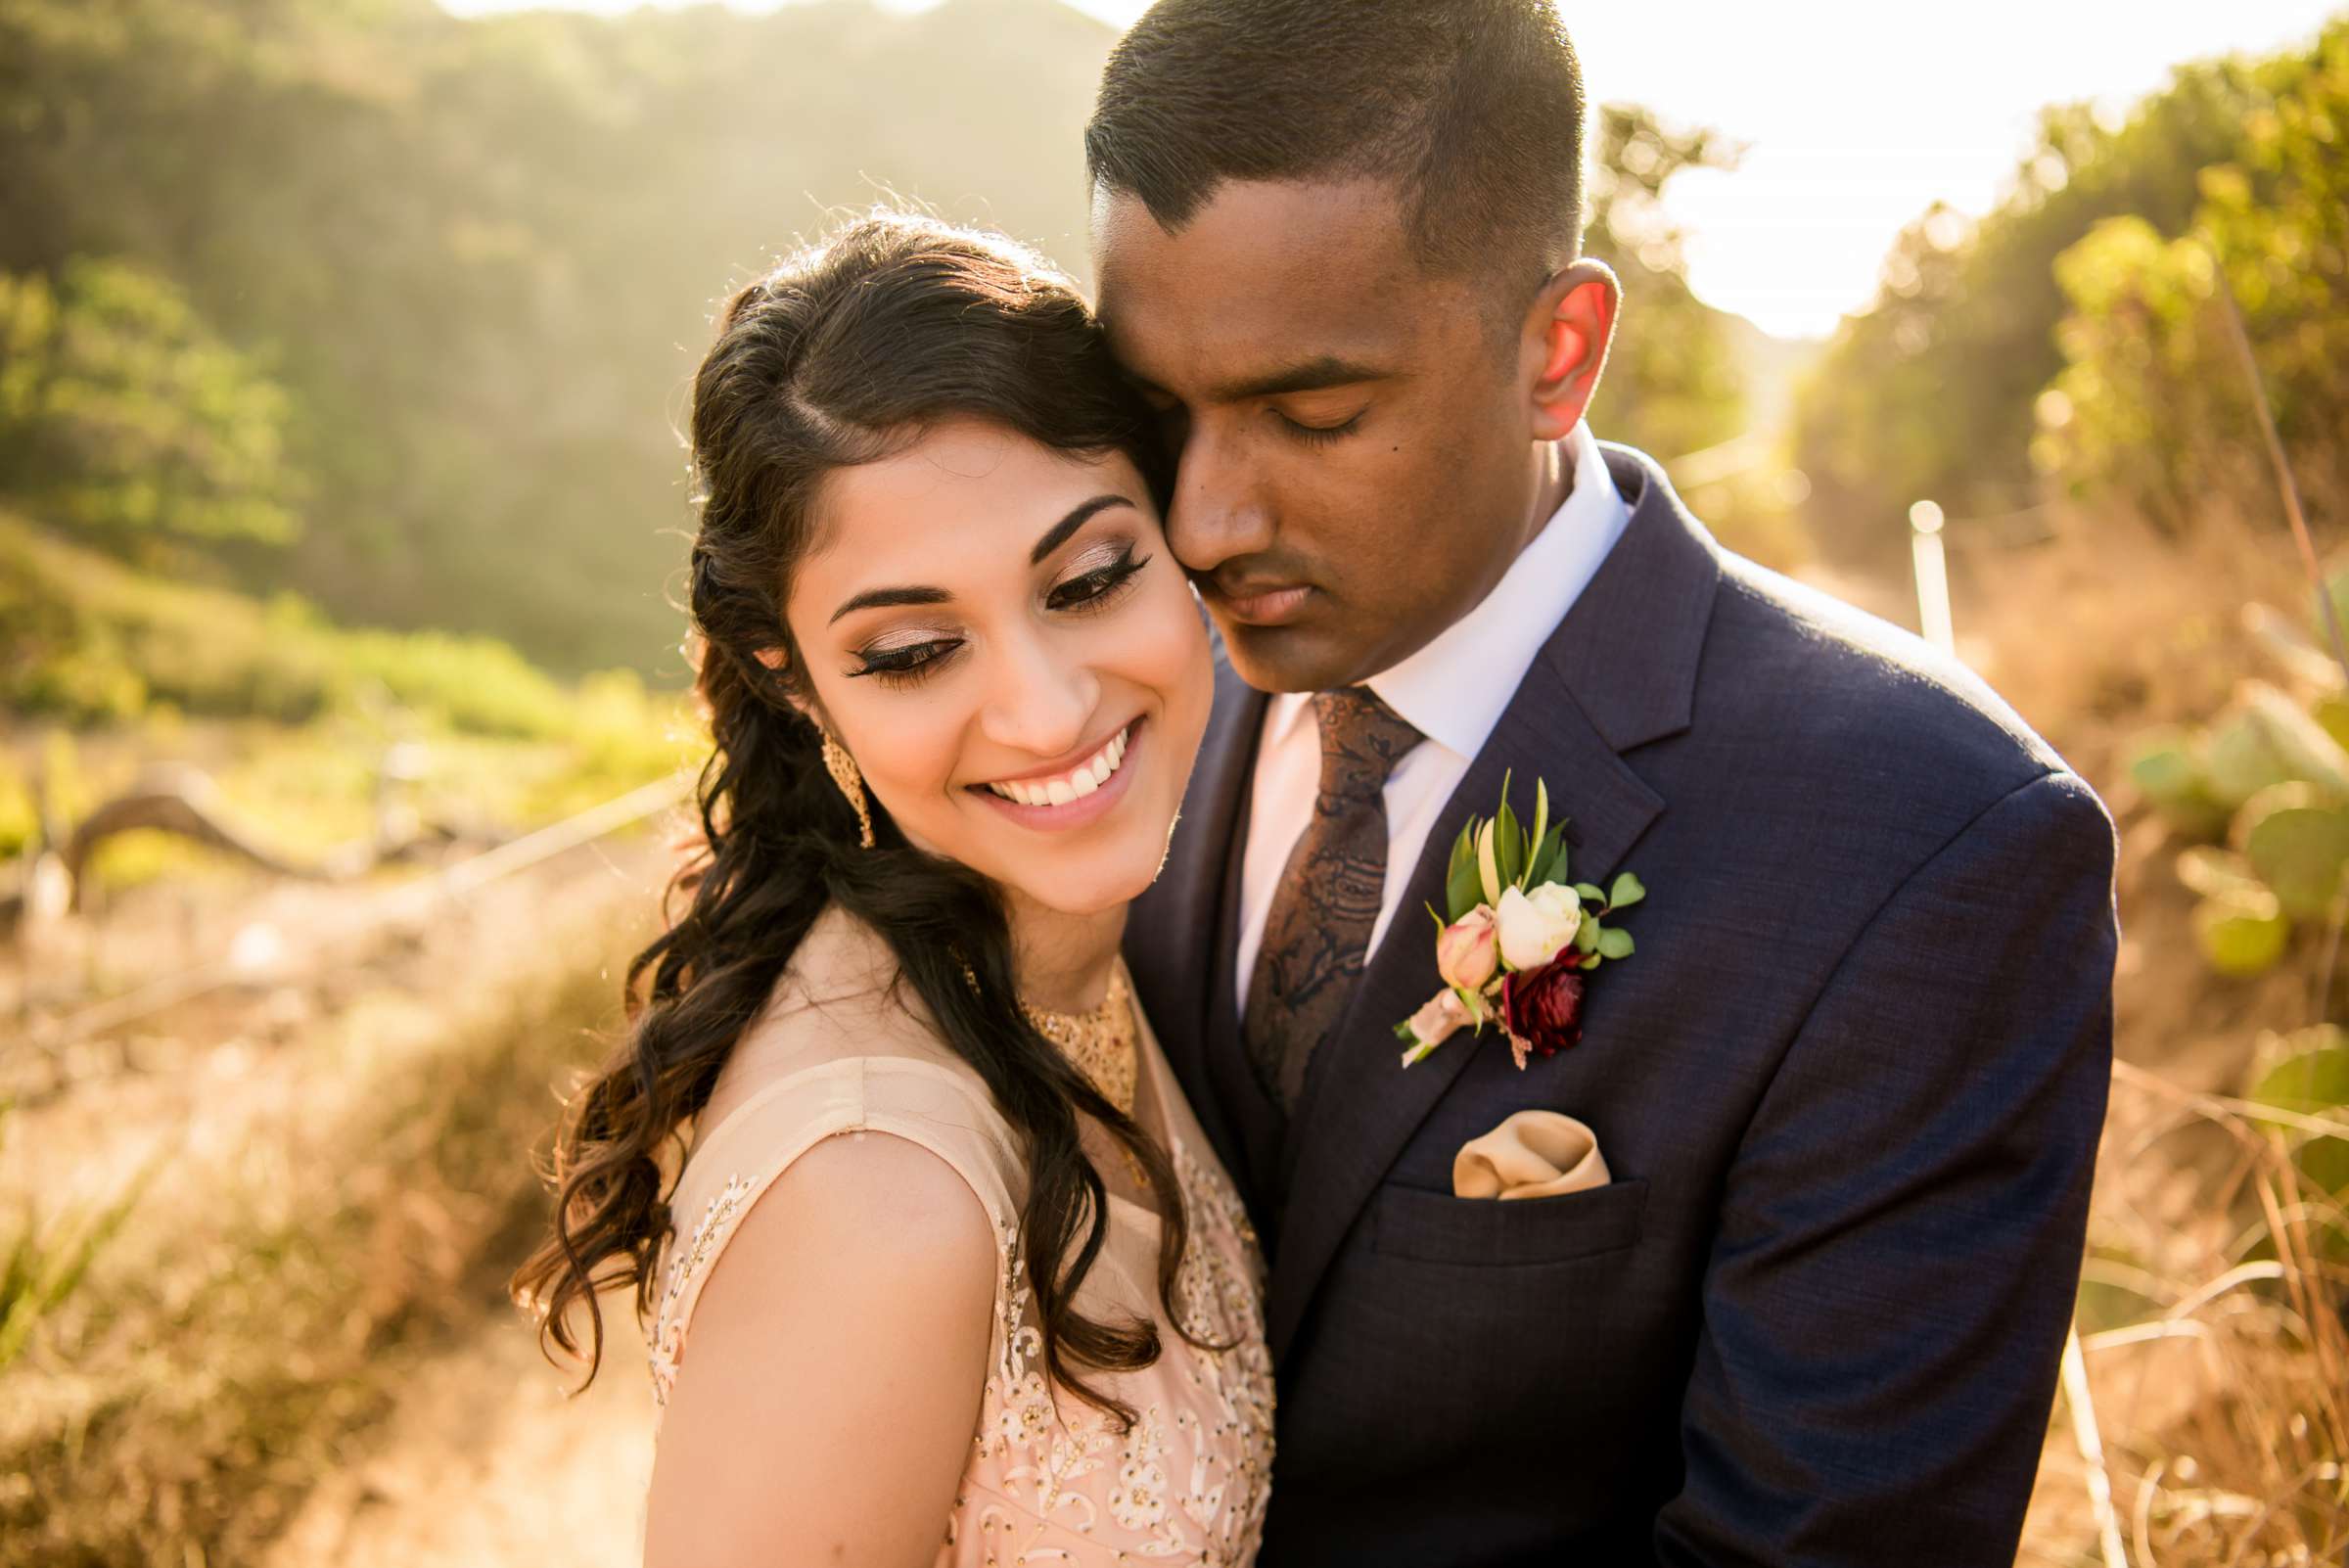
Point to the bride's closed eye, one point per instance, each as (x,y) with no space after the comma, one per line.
(905,663)
(1096,587)
(1099,583)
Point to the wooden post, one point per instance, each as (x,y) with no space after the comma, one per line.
(1932,576)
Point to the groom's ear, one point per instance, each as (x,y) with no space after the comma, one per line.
(1563,346)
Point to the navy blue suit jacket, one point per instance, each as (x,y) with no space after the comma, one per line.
(1849,1088)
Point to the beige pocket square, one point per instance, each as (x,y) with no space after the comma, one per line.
(1534,1154)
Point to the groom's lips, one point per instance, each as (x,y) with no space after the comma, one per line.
(1262,604)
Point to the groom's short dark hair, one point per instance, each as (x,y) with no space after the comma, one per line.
(1473,109)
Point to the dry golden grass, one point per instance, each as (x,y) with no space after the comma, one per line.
(2213,1300)
(336,1208)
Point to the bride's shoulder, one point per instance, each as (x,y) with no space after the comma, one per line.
(837,1253)
(839,1053)
(838,1007)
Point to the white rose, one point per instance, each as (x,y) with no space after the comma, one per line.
(1534,927)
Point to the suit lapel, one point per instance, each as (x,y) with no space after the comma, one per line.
(1619,672)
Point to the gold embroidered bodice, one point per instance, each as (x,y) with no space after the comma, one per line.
(1050,1479)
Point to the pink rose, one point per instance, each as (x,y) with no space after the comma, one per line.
(1467,952)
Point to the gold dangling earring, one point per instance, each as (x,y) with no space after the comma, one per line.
(845,773)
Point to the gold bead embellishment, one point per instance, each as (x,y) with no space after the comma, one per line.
(1104,1045)
(1101,1043)
(851,779)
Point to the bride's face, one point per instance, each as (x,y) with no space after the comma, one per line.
(998,634)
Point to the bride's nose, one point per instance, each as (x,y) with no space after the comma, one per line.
(1039,700)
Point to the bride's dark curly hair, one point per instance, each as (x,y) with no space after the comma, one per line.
(843,356)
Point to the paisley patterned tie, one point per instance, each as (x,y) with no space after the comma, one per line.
(1318,929)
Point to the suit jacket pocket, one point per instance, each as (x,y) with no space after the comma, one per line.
(1438,1227)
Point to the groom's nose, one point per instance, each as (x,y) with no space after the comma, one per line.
(1219,512)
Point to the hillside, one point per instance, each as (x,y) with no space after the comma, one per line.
(427,293)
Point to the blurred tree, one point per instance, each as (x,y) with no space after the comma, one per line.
(2154,405)
(123,416)
(480,255)
(1934,389)
(1673,383)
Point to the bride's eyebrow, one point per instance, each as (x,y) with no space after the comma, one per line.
(1058,534)
(1054,537)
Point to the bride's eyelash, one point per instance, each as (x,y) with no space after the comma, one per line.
(905,665)
(910,662)
(1095,589)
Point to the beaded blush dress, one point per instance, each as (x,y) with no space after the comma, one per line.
(1050,1479)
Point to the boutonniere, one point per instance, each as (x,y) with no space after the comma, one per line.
(1520,938)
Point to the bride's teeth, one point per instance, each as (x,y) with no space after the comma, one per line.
(1079,782)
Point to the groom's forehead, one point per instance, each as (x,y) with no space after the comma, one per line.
(1261,275)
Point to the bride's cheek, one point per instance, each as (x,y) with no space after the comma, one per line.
(1165,648)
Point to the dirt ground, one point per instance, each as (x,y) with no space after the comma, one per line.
(487,1459)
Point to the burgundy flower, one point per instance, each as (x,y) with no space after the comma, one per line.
(1543,1008)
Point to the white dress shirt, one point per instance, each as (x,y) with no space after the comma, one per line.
(1453,691)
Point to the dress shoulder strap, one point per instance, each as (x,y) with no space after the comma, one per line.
(945,1110)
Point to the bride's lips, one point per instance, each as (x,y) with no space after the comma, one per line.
(1268,603)
(1079,809)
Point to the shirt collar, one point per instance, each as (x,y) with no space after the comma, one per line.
(1454,689)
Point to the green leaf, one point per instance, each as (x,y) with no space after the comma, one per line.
(2307,1082)
(1541,822)
(1403,1032)
(1586,936)
(1626,891)
(1545,864)
(1587,961)
(2313,1082)
(2297,843)
(1614,944)
(2242,933)
(1488,869)
(1589,892)
(1508,848)
(1463,887)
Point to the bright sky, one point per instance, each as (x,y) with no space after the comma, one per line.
(1859,113)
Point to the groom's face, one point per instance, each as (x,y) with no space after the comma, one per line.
(1355,460)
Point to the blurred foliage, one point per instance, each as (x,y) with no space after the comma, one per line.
(1672,385)
(47,1256)
(1936,390)
(89,641)
(2259,794)
(1682,376)
(2153,406)
(86,641)
(121,413)
(479,256)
